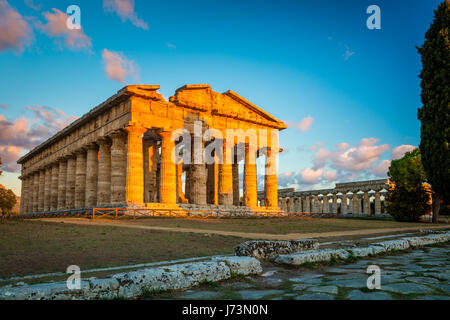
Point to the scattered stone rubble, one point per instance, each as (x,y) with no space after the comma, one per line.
(269,250)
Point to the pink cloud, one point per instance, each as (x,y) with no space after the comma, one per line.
(304,125)
(22,134)
(56,26)
(360,157)
(310,175)
(117,66)
(399,152)
(331,175)
(381,168)
(15,32)
(125,10)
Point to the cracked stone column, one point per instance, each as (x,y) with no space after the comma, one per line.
(226,176)
(335,204)
(344,203)
(377,202)
(250,184)
(33,200)
(213,181)
(80,179)
(150,151)
(54,187)
(270,180)
(104,172)
(168,170)
(70,182)
(118,167)
(316,205)
(366,200)
(62,178)
(135,165)
(91,175)
(180,194)
(48,188)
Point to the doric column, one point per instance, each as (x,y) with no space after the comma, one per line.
(37,187)
(321,204)
(150,151)
(226,176)
(354,203)
(307,205)
(135,165)
(118,167)
(213,181)
(31,190)
(25,196)
(198,183)
(270,179)
(40,190)
(168,169)
(80,179)
(104,172)
(366,200)
(235,176)
(326,204)
(48,188)
(22,195)
(250,183)
(91,175)
(54,187)
(180,194)
(187,183)
(70,182)
(344,203)
(335,204)
(377,202)
(62,177)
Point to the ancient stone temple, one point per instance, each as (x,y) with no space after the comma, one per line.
(355,198)
(123,153)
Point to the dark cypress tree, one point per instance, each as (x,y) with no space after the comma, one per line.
(434,114)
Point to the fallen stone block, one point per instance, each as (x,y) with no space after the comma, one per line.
(242,265)
(322,255)
(267,249)
(390,245)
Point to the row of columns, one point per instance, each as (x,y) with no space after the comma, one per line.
(118,169)
(312,204)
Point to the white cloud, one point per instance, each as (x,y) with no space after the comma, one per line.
(399,152)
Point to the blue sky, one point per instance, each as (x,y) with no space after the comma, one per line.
(295,59)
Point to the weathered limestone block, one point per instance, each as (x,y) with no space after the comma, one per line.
(390,245)
(171,277)
(91,175)
(312,256)
(241,265)
(267,249)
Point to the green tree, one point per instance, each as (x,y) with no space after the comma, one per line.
(408,197)
(7,200)
(434,114)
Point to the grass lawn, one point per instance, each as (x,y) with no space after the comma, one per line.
(32,247)
(274,225)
